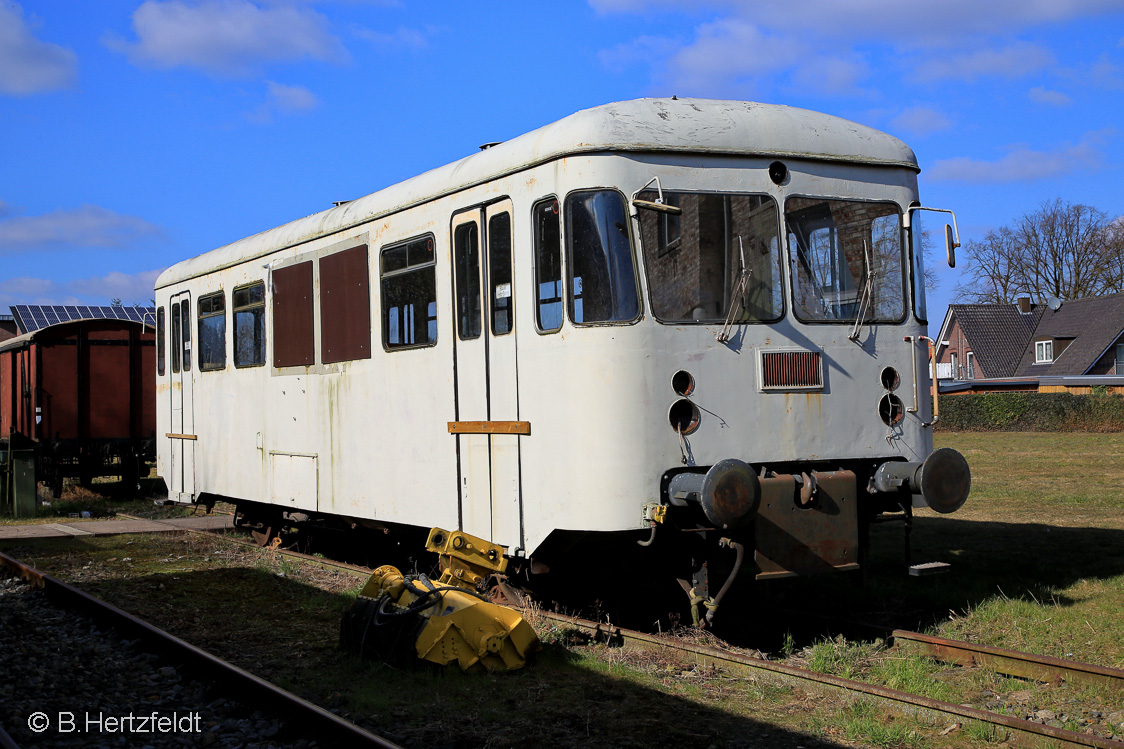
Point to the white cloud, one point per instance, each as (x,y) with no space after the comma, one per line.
(920,121)
(27,65)
(400,38)
(86,226)
(1011,62)
(135,288)
(130,288)
(729,55)
(1023,164)
(1045,96)
(939,21)
(226,37)
(283,99)
(290,98)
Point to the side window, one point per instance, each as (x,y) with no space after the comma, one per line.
(409,294)
(176,340)
(292,313)
(599,257)
(160,342)
(212,332)
(345,306)
(249,325)
(185,313)
(499,274)
(548,264)
(466,257)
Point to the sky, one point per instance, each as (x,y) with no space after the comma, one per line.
(134,135)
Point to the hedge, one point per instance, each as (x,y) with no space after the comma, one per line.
(1031,412)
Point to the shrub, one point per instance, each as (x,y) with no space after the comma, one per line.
(1031,412)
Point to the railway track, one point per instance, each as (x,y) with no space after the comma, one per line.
(1011,663)
(300,717)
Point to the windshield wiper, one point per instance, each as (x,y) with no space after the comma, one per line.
(737,302)
(868,289)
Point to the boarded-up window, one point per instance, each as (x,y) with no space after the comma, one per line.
(212,332)
(292,316)
(249,325)
(409,295)
(345,306)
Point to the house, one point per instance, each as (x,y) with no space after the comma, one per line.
(985,341)
(1054,347)
(1078,345)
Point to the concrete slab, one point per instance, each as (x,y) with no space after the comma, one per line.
(116,527)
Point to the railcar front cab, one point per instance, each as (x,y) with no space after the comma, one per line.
(718,259)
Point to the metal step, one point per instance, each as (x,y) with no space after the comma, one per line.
(929,568)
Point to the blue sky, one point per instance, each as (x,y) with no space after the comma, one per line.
(136,134)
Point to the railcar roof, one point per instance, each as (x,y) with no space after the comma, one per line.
(641,125)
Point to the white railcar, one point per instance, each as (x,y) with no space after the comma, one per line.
(656,313)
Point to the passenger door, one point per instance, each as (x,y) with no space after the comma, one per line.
(488,428)
(182,437)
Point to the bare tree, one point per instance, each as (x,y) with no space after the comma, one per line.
(1063,250)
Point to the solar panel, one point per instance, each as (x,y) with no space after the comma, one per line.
(36,317)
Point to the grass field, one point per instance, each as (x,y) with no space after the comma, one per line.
(1037,560)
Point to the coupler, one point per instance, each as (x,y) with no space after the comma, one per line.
(399,619)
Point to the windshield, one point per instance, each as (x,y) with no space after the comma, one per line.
(846,260)
(695,261)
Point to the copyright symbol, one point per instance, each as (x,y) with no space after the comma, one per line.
(38,722)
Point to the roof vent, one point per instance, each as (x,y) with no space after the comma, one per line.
(486,146)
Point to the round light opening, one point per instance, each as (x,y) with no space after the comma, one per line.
(683,383)
(890,379)
(778,172)
(891,410)
(684,416)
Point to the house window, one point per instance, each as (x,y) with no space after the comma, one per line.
(971,359)
(1043,352)
(955,369)
(212,332)
(409,295)
(1120,359)
(249,325)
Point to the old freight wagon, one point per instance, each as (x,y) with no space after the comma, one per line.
(77,386)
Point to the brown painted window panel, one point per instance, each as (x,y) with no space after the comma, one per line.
(345,306)
(293,344)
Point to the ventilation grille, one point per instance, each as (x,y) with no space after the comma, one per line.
(790,370)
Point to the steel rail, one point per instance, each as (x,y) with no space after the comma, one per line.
(1024,732)
(326,726)
(1010,662)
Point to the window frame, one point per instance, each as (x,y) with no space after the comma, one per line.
(175,345)
(567,266)
(432,264)
(660,253)
(1047,349)
(903,245)
(970,365)
(235,309)
(561,266)
(161,344)
(200,317)
(509,266)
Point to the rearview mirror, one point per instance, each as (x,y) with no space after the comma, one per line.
(950,245)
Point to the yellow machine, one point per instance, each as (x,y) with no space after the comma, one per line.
(445,621)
